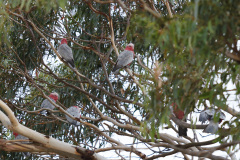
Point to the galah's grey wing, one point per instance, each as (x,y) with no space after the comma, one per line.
(48,105)
(210,112)
(66,52)
(203,117)
(125,58)
(20,137)
(70,120)
(75,113)
(211,128)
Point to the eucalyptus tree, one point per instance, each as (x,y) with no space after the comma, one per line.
(186,53)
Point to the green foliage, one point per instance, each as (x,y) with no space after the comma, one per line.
(194,69)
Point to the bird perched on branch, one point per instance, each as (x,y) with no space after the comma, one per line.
(47,104)
(182,131)
(208,115)
(66,52)
(21,137)
(125,58)
(75,112)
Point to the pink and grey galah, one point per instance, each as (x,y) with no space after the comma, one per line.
(125,58)
(66,52)
(75,112)
(208,115)
(182,131)
(21,137)
(47,104)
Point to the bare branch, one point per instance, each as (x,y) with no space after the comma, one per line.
(57,146)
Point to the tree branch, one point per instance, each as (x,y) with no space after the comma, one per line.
(57,146)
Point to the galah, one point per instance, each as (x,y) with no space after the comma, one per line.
(18,137)
(208,115)
(182,131)
(66,52)
(75,112)
(47,104)
(125,58)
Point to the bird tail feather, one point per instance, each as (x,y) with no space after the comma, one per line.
(44,112)
(71,64)
(211,128)
(182,131)
(115,71)
(115,68)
